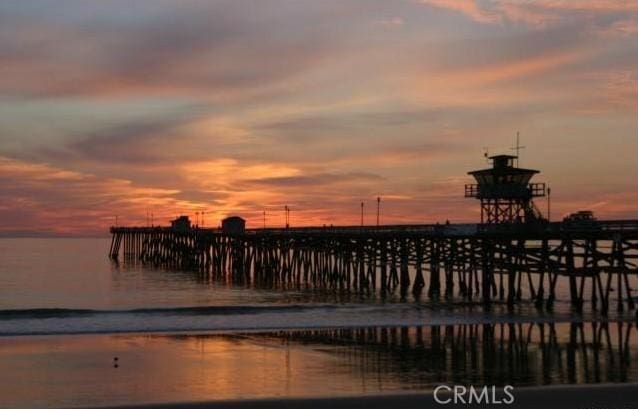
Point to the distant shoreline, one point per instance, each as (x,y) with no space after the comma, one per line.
(49,236)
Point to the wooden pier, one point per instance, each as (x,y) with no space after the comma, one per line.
(515,254)
(504,263)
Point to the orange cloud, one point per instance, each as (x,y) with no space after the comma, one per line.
(467,7)
(40,197)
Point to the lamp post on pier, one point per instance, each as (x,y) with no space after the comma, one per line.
(203,213)
(549,204)
(287,212)
(378,209)
(361,214)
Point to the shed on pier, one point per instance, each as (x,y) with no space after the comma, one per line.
(233,225)
(182,223)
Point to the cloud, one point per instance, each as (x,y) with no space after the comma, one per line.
(620,28)
(612,92)
(335,121)
(240,106)
(534,13)
(37,196)
(470,8)
(315,180)
(515,70)
(135,142)
(393,22)
(215,50)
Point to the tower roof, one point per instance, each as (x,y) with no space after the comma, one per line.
(503,165)
(509,171)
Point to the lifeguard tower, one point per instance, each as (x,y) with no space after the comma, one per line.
(505,192)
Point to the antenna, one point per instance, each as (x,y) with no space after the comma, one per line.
(517,148)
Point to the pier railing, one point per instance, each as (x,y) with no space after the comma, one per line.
(469,229)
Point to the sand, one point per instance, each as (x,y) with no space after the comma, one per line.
(608,396)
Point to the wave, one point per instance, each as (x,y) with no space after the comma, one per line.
(40,313)
(58,321)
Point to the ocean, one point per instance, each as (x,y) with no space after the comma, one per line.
(69,286)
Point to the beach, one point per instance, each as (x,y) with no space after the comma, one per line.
(585,397)
(288,367)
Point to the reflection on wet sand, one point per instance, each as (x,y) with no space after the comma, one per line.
(503,353)
(54,371)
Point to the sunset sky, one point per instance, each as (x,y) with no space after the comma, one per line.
(124,107)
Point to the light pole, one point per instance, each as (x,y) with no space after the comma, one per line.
(378,209)
(549,204)
(361,214)
(264,219)
(287,213)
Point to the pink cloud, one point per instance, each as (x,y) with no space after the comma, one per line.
(534,13)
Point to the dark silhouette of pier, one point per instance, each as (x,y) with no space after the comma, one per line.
(442,260)
(515,254)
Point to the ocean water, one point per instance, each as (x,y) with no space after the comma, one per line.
(69,286)
(79,371)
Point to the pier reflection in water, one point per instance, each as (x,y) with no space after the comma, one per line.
(54,371)
(499,354)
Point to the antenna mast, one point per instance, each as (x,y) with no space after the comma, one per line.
(517,148)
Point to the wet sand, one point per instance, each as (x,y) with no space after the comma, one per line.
(353,367)
(559,397)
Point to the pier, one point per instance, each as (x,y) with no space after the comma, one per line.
(443,260)
(514,254)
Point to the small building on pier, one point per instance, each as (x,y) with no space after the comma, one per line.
(182,223)
(233,225)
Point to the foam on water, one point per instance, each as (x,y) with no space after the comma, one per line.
(250,317)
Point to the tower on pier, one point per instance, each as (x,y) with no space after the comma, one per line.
(505,192)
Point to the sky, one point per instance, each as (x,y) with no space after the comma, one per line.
(126,108)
